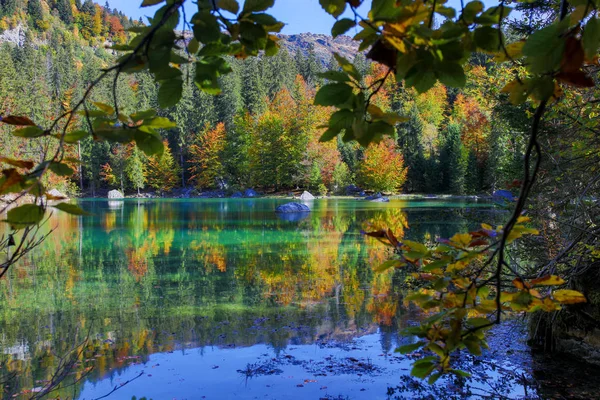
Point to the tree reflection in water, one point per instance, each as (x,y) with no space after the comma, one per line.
(157,275)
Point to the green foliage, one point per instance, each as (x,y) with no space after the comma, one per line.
(452,163)
(342,177)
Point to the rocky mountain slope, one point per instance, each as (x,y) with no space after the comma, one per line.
(324,45)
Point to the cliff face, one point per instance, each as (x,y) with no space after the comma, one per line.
(324,45)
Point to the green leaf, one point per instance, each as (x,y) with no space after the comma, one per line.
(160,123)
(388,264)
(328,135)
(142,115)
(229,5)
(409,348)
(257,5)
(333,7)
(170,92)
(119,135)
(149,143)
(423,369)
(420,77)
(104,107)
(451,74)
(460,373)
(333,94)
(433,378)
(147,3)
(335,76)
(75,136)
(591,38)
(544,49)
(71,209)
(473,345)
(342,26)
(384,10)
(471,10)
(206,27)
(25,215)
(193,46)
(347,66)
(487,38)
(416,246)
(29,132)
(61,169)
(478,322)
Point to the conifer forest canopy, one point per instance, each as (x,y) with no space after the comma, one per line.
(496,97)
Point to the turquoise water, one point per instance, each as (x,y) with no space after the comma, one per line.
(219,298)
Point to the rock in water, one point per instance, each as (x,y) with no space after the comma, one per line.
(292,208)
(58,194)
(503,195)
(306,196)
(250,193)
(374,197)
(115,194)
(380,200)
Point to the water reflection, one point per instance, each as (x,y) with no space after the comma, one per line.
(154,276)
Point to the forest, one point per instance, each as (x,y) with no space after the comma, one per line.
(263,130)
(487,115)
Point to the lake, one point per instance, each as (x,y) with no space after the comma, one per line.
(220,298)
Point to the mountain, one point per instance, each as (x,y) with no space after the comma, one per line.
(323,45)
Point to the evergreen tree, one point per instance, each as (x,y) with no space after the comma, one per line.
(230,102)
(452,162)
(236,157)
(410,142)
(64,11)
(254,92)
(35,12)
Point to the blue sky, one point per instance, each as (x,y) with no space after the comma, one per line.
(299,15)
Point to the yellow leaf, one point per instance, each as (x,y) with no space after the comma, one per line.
(523,219)
(548,280)
(396,42)
(375,111)
(510,52)
(487,227)
(461,239)
(517,92)
(566,296)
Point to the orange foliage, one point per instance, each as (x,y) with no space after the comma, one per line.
(475,125)
(206,157)
(383,168)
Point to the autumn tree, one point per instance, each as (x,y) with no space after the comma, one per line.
(205,157)
(162,172)
(382,168)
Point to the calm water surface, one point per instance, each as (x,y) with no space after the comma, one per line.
(222,299)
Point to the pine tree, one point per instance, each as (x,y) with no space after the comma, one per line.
(236,157)
(253,89)
(35,12)
(65,12)
(452,161)
(410,142)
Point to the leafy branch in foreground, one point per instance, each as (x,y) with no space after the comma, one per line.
(460,295)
